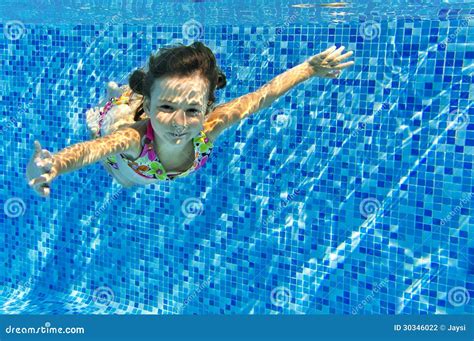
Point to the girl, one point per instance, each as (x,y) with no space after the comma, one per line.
(163,125)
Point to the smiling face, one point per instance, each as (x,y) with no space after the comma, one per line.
(177,108)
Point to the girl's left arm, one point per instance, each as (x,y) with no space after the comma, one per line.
(326,64)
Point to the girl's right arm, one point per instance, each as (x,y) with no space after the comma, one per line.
(44,167)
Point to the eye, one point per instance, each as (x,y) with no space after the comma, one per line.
(194,112)
(166,107)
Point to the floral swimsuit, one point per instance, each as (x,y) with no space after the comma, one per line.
(148,164)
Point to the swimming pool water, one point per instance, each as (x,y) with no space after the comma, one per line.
(346,196)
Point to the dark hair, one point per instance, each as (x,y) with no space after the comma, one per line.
(180,60)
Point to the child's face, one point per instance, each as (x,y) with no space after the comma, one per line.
(177,106)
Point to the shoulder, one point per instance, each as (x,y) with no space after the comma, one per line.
(227,114)
(216,122)
(210,135)
(135,149)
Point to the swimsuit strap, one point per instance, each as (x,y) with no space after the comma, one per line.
(147,140)
(149,131)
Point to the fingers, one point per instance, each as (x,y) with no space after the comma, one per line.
(344,56)
(40,187)
(343,65)
(46,153)
(43,153)
(37,150)
(42,157)
(334,54)
(335,58)
(327,52)
(328,63)
(44,191)
(332,74)
(43,179)
(37,147)
(42,161)
(45,164)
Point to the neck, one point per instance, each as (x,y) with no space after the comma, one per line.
(172,154)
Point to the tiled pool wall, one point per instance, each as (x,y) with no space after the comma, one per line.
(347,196)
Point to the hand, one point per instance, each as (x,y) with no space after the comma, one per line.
(327,64)
(41,170)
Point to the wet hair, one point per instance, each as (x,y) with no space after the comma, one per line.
(179,60)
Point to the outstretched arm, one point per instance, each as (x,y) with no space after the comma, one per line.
(326,64)
(44,167)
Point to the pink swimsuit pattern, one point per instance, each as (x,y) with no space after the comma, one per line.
(148,164)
